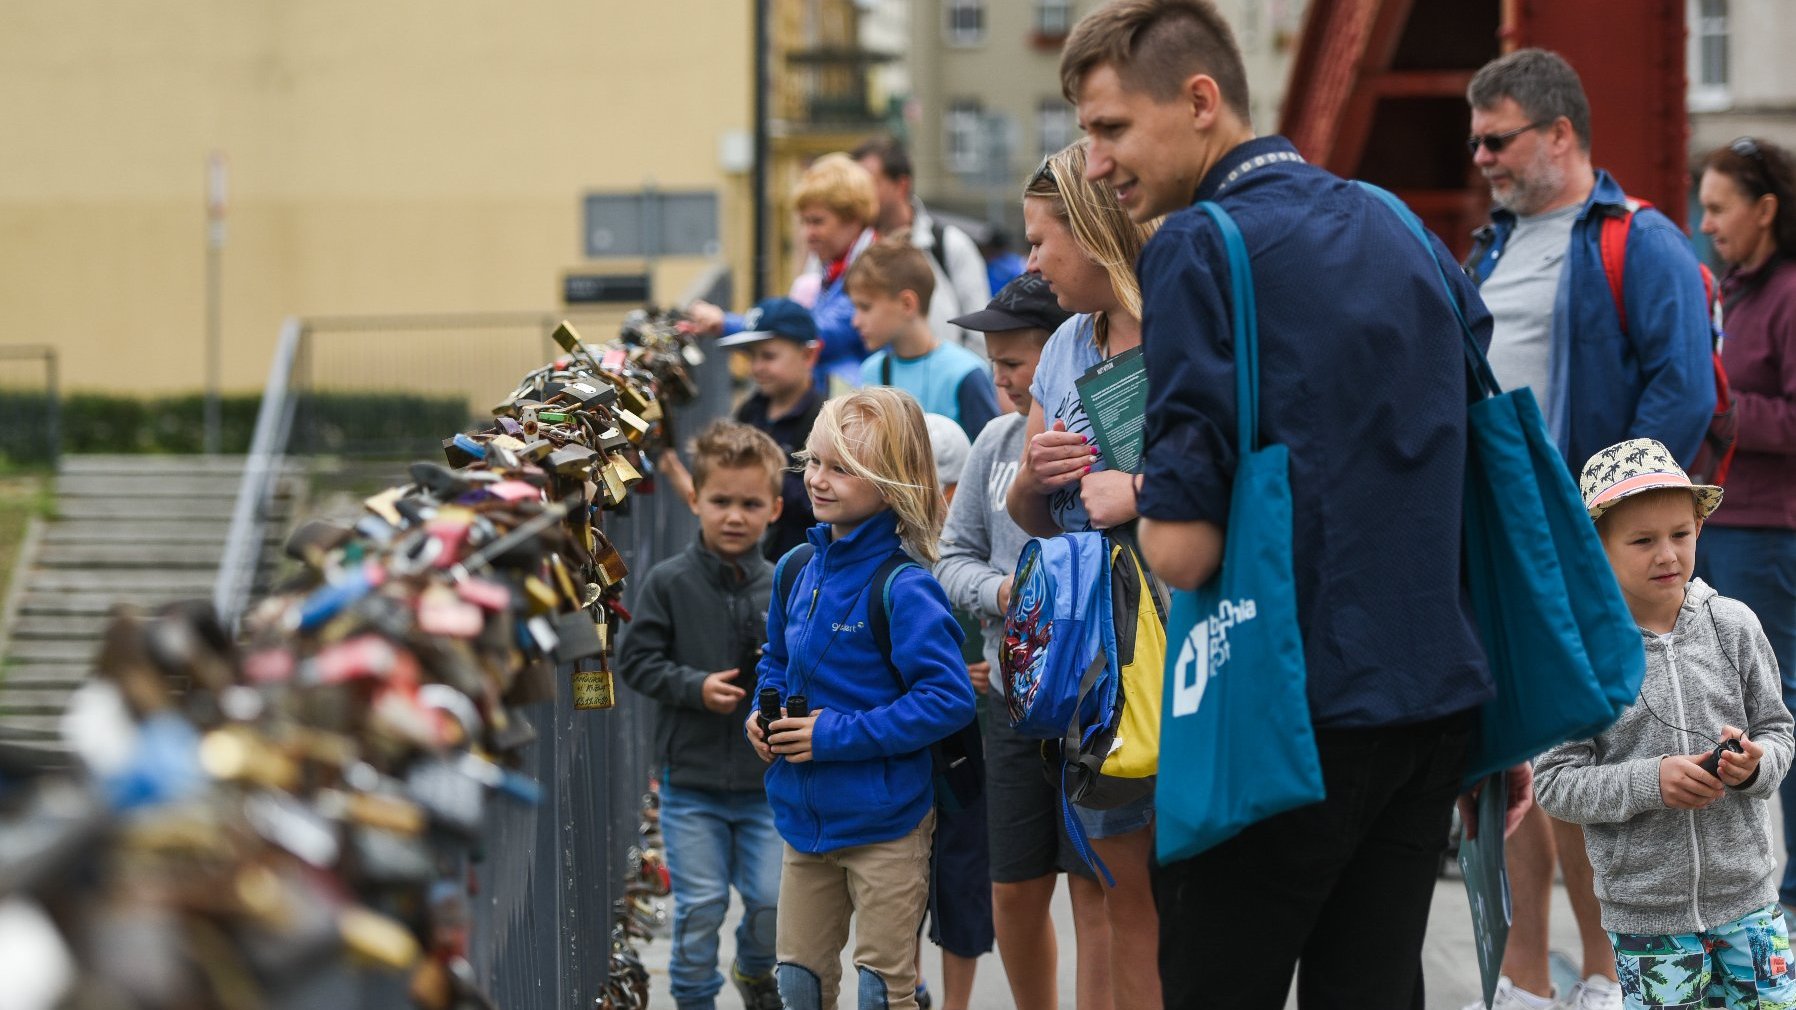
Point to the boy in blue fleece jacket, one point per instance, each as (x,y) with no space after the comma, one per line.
(851,783)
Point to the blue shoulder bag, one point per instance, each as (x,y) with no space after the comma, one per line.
(1235,675)
(1564,651)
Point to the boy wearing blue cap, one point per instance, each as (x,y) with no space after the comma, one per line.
(780,340)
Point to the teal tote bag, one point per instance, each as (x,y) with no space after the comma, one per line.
(1234,653)
(1564,651)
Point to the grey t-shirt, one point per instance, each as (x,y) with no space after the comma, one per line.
(980,543)
(1520,293)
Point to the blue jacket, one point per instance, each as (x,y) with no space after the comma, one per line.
(870,778)
(1655,381)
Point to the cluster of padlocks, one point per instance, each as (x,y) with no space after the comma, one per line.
(255,819)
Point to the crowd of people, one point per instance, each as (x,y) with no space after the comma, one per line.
(841,613)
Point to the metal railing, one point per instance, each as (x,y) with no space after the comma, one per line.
(542,906)
(261,471)
(30,405)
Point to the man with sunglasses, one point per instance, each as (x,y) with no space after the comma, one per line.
(1539,268)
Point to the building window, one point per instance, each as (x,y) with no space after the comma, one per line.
(1053,18)
(1710,74)
(1055,125)
(966,22)
(962,147)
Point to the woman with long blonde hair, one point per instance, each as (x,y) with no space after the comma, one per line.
(1085,246)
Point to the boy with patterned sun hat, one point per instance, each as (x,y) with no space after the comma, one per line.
(1673,796)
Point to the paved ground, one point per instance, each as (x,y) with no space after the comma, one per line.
(1449,964)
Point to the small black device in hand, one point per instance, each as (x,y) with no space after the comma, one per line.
(1712,763)
(798,707)
(769,699)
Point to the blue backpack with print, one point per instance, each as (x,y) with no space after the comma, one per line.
(1059,647)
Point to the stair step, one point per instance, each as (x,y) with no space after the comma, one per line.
(31,728)
(196,484)
(45,676)
(74,604)
(151,581)
(69,651)
(147,531)
(47,754)
(42,627)
(129,509)
(115,556)
(33,702)
(99,463)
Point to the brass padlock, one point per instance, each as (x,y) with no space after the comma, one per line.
(625,471)
(634,427)
(592,689)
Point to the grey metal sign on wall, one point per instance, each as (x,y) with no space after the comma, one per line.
(651,223)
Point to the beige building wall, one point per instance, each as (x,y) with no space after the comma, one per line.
(394,157)
(1012,71)
(1756,94)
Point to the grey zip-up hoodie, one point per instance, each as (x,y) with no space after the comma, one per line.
(1660,870)
(697,614)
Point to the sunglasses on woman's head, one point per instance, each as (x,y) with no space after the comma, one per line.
(1746,147)
(1495,142)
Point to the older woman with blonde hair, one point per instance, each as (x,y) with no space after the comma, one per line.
(1085,246)
(836,205)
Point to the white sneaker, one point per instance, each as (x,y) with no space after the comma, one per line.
(1597,993)
(1508,997)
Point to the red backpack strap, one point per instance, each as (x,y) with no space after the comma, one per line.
(1614,245)
(1711,294)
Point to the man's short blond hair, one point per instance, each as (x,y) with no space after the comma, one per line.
(838,184)
(1155,46)
(892,265)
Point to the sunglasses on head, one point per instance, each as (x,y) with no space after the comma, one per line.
(1495,142)
(1747,147)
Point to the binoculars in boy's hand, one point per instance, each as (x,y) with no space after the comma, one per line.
(797,707)
(1712,763)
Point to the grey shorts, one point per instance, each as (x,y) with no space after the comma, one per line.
(1027,829)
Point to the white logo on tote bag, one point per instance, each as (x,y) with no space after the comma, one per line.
(1204,652)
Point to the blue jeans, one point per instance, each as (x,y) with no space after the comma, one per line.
(715,839)
(1758,568)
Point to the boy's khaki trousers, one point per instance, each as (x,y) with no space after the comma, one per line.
(885,888)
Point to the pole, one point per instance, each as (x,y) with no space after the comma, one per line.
(759,286)
(215,239)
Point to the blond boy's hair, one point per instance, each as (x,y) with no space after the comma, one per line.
(730,445)
(838,184)
(880,436)
(892,265)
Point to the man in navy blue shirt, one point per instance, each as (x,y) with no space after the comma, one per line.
(1362,378)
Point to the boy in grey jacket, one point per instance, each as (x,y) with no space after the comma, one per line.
(693,647)
(1673,795)
(980,544)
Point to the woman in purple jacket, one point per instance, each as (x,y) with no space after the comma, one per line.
(1748,197)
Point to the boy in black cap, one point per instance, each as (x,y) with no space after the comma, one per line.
(1026,845)
(780,340)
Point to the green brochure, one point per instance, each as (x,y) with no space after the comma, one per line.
(1114,393)
(1487,881)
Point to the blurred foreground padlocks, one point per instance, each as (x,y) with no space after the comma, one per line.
(290,818)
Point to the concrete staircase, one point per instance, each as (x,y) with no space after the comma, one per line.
(142,530)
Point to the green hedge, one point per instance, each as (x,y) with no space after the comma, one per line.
(359,424)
